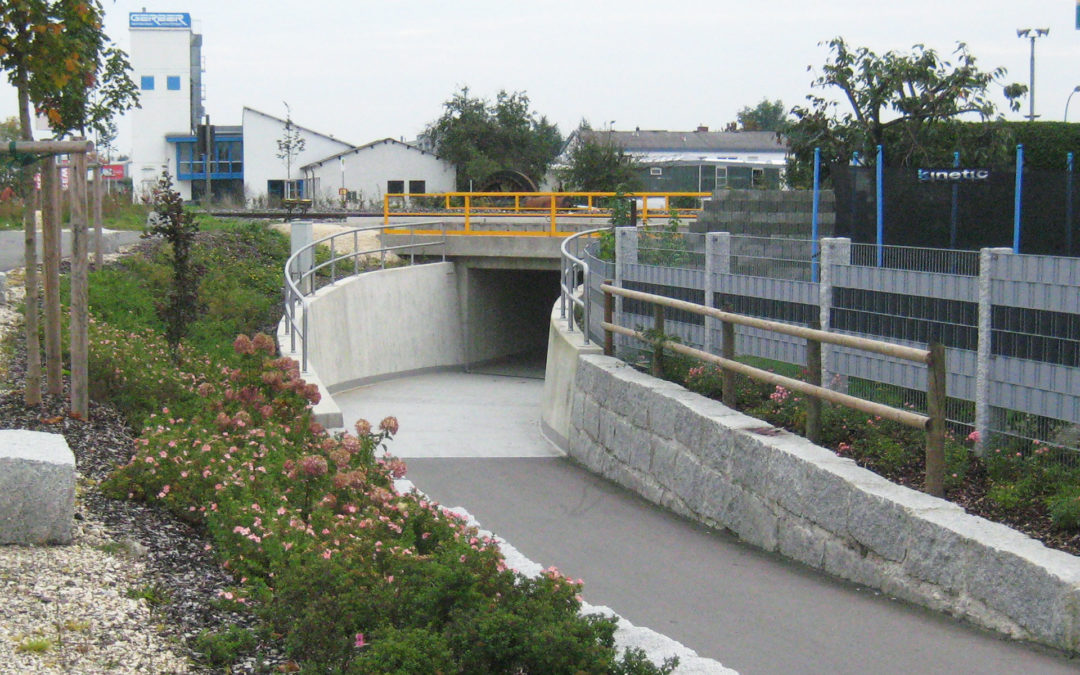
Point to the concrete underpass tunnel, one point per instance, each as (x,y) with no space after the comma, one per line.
(507,314)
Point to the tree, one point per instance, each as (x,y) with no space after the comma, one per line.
(765,116)
(59,60)
(905,102)
(480,138)
(290,145)
(9,131)
(595,164)
(179,228)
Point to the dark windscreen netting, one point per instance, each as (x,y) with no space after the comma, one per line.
(935,208)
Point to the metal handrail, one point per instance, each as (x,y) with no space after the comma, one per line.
(570,263)
(299,284)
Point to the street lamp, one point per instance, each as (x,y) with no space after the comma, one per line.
(1069,100)
(1032,34)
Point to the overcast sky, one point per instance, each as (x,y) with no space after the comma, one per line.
(363,70)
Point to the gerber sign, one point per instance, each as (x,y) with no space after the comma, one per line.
(953,175)
(159,20)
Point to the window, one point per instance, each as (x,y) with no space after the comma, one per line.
(721,177)
(172,83)
(395,187)
(147,83)
(417,187)
(656,171)
(757,178)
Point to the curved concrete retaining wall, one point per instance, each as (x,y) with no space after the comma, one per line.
(383,323)
(379,324)
(780,492)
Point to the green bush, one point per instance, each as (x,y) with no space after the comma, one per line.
(224,647)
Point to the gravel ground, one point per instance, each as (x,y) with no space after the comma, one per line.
(136,584)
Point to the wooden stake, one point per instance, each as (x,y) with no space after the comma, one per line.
(51,254)
(80,403)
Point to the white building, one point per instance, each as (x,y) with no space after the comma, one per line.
(166,61)
(359,177)
(266,174)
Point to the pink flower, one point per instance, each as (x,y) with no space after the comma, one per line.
(389,425)
(359,641)
(974,437)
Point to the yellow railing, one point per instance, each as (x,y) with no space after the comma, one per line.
(547,207)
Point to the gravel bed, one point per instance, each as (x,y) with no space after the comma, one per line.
(135,587)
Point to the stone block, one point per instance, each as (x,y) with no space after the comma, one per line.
(37,488)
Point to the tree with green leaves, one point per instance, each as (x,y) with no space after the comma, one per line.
(595,164)
(481,138)
(906,102)
(765,116)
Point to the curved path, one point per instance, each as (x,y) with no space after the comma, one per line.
(473,440)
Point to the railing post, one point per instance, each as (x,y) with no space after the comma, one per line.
(658,344)
(552,211)
(301,237)
(935,431)
(468,214)
(727,349)
(813,376)
(609,315)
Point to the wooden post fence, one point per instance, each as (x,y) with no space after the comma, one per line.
(934,357)
(79,403)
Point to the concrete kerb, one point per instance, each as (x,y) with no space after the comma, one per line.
(37,488)
(784,494)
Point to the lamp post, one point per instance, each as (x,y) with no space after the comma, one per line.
(1069,100)
(1032,34)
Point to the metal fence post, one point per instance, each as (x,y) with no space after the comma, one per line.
(301,235)
(935,431)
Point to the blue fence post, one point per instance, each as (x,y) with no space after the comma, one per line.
(1018,196)
(880,206)
(955,216)
(814,216)
(1069,204)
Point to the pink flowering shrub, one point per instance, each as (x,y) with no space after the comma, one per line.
(325,549)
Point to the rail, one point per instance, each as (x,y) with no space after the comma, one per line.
(933,357)
(551,206)
(572,264)
(301,269)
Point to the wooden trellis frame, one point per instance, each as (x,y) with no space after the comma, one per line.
(79,314)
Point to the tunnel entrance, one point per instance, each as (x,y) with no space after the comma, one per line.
(507,313)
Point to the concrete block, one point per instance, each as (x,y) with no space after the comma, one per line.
(37,488)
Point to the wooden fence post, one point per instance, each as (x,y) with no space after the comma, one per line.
(51,216)
(658,345)
(935,430)
(609,315)
(813,376)
(727,350)
(80,398)
(32,393)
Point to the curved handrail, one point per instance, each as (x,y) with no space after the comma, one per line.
(570,264)
(299,283)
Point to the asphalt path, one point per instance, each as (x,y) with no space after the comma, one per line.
(473,440)
(13,245)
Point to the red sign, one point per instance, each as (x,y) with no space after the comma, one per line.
(112,171)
